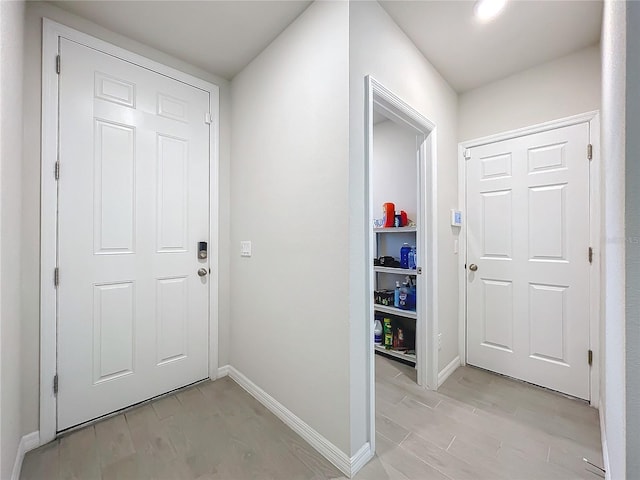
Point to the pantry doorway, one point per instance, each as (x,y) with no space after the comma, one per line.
(400,163)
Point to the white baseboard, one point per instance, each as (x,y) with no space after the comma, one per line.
(605,448)
(27,443)
(223,371)
(360,459)
(448,370)
(346,465)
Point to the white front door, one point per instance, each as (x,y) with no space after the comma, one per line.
(133,203)
(528,235)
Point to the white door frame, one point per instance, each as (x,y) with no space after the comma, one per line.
(51,33)
(595,206)
(376,95)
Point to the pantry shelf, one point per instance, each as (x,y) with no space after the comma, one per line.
(395,311)
(395,230)
(397,271)
(409,357)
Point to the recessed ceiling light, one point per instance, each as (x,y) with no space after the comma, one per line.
(487,9)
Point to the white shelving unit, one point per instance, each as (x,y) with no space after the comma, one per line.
(395,311)
(397,271)
(409,357)
(395,230)
(388,242)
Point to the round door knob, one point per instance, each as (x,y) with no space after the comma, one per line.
(473,267)
(202,272)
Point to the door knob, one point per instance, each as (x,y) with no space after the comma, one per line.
(202,272)
(473,267)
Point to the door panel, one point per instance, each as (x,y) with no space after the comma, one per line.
(528,233)
(133,202)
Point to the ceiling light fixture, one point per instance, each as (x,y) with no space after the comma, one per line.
(485,10)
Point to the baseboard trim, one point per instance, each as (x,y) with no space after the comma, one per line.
(605,448)
(223,371)
(361,458)
(346,465)
(448,370)
(27,443)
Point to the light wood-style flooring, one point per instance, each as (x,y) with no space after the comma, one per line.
(477,426)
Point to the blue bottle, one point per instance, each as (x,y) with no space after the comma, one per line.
(412,258)
(404,255)
(396,295)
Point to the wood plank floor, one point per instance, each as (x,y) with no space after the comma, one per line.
(478,426)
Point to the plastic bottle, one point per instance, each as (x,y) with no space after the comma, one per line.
(396,295)
(404,220)
(388,214)
(412,258)
(403,293)
(404,255)
(388,333)
(377,332)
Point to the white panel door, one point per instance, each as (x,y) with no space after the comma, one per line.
(528,235)
(133,203)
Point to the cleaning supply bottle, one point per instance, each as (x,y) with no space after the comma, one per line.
(388,332)
(396,295)
(404,255)
(412,258)
(377,332)
(388,214)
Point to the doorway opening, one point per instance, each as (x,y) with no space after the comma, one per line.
(400,163)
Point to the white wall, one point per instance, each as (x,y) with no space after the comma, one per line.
(567,86)
(289,174)
(613,255)
(378,47)
(11,70)
(632,233)
(395,170)
(31,189)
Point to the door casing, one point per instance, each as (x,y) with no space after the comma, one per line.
(51,32)
(595,205)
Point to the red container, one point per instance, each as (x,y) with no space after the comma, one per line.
(388,212)
(404,221)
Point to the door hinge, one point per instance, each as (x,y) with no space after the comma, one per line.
(55,384)
(56,277)
(590,254)
(207,118)
(589,151)
(56,170)
(590,357)
(58,64)
(467,154)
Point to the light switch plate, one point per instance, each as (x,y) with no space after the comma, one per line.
(245,248)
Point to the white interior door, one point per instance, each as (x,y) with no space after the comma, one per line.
(133,203)
(528,235)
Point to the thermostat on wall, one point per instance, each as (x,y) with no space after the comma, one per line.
(456,218)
